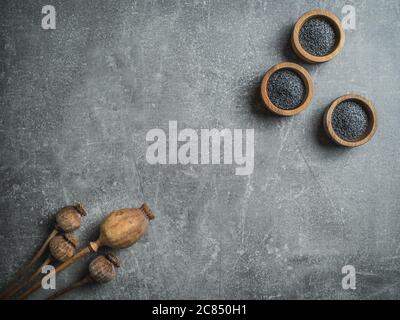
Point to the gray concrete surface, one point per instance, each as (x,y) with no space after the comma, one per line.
(77,102)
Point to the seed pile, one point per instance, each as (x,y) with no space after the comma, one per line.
(286,89)
(318,37)
(350,120)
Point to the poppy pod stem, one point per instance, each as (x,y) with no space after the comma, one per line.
(61,247)
(68,219)
(86,280)
(85,251)
(13,286)
(31,278)
(101,270)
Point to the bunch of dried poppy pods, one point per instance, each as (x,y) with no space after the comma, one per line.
(120,229)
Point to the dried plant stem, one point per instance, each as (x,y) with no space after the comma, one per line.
(31,278)
(39,270)
(73,286)
(85,251)
(22,273)
(101,270)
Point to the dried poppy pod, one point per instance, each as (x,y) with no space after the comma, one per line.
(62,247)
(68,219)
(120,229)
(101,270)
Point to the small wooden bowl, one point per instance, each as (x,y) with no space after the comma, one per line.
(333,20)
(305,76)
(372,115)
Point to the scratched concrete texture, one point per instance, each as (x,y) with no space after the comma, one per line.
(77,102)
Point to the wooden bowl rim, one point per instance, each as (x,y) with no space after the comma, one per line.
(373,118)
(333,19)
(305,76)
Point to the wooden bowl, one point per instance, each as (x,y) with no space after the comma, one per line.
(305,76)
(372,115)
(333,20)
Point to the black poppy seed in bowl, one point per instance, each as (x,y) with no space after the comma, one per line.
(286,89)
(350,120)
(318,37)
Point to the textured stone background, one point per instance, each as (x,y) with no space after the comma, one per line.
(77,102)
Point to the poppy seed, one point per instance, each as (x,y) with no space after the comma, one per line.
(318,37)
(286,89)
(350,120)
